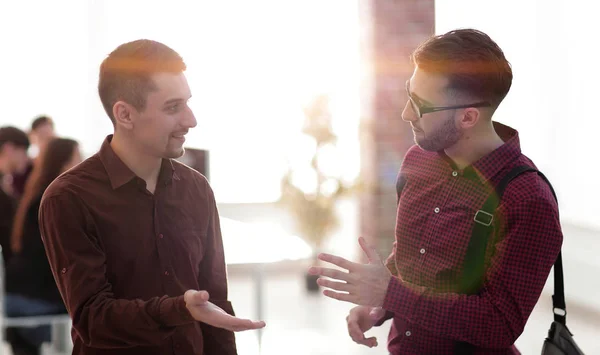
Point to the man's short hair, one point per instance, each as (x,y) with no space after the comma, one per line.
(17,137)
(473,63)
(126,74)
(40,121)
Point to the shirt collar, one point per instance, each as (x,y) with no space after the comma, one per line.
(119,174)
(491,164)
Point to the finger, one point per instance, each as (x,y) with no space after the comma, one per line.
(202,296)
(355,333)
(359,337)
(345,297)
(370,342)
(332,273)
(197,298)
(240,325)
(352,317)
(369,251)
(334,285)
(339,261)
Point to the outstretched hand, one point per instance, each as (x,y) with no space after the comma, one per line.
(361,284)
(204,311)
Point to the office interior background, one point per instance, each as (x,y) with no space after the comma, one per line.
(255,67)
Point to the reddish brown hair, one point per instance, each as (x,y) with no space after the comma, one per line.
(126,74)
(473,63)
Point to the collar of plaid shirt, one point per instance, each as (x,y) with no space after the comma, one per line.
(433,228)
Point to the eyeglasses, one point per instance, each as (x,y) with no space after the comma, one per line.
(420,109)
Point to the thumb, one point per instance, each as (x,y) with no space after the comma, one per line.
(377,313)
(195,298)
(369,251)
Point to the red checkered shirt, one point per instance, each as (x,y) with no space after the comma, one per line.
(433,228)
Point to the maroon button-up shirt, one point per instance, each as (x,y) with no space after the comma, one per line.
(434,225)
(123,257)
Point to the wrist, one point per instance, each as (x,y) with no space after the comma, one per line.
(173,311)
(383,290)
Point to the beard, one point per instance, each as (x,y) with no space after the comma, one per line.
(443,137)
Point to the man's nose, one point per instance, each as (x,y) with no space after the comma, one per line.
(408,114)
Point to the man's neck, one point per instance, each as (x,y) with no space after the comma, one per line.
(144,166)
(473,146)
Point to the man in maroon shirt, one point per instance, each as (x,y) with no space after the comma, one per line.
(133,236)
(461,154)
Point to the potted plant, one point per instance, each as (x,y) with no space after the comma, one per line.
(313,208)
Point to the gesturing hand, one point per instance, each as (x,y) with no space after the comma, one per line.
(361,319)
(204,311)
(362,284)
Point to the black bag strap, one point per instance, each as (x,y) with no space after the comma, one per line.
(558,298)
(471,279)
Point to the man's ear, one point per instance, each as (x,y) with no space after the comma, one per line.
(123,114)
(470,118)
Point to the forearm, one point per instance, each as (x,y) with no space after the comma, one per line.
(456,316)
(107,323)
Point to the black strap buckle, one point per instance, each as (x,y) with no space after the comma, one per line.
(483,217)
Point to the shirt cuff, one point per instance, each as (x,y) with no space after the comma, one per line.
(386,316)
(400,299)
(173,312)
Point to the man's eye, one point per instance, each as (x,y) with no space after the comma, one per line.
(173,108)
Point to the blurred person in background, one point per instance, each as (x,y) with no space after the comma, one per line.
(41,132)
(133,236)
(461,155)
(13,160)
(30,286)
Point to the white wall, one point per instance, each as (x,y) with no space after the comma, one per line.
(251,68)
(43,56)
(552,46)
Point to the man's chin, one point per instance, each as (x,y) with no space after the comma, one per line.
(427,146)
(175,153)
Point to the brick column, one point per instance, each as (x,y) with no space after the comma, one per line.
(393,29)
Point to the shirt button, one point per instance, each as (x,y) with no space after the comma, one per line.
(436,210)
(422,251)
(455,173)
(160,236)
(408,333)
(166,273)
(63,271)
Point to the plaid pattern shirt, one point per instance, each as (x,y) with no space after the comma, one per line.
(433,228)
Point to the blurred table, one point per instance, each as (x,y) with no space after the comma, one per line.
(258,247)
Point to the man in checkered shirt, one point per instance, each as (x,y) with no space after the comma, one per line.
(460,79)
